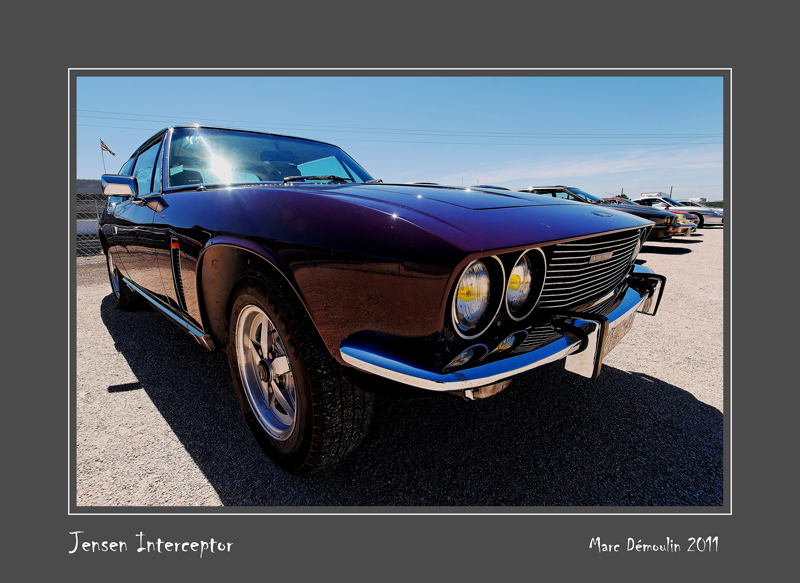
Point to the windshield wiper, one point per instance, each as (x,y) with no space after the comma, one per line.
(329,177)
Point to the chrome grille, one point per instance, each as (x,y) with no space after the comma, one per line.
(572,280)
(537,337)
(602,307)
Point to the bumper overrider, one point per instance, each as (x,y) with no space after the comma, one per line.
(585,341)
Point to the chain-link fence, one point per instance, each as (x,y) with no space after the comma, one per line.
(89,205)
(89,208)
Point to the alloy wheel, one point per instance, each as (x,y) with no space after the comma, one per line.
(266,372)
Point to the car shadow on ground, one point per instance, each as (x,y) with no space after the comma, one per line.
(551,439)
(683,239)
(647,248)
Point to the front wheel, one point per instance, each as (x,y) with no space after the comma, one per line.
(699,218)
(302,407)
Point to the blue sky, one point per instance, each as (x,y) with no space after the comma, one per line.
(601,134)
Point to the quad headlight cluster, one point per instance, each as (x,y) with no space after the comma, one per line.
(515,281)
(484,288)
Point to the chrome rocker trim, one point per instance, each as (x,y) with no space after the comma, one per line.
(583,342)
(201,338)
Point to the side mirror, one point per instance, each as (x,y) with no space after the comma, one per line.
(115,185)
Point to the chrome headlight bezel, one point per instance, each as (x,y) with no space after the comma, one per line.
(538,267)
(496,274)
(639,244)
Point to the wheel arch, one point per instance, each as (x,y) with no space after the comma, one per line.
(220,266)
(103,242)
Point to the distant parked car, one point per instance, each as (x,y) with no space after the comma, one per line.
(684,223)
(664,222)
(705,216)
(687,222)
(699,204)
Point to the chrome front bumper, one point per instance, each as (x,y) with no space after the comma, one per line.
(586,339)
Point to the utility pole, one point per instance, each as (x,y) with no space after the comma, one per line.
(670,192)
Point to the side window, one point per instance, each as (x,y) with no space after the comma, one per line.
(144,169)
(126,168)
(563,195)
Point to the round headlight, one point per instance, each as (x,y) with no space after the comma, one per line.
(519,285)
(637,248)
(472,296)
(525,283)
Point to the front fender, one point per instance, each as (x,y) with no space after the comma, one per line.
(220,265)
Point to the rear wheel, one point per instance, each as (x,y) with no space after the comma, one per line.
(300,404)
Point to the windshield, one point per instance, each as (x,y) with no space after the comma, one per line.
(216,156)
(586,195)
(672,202)
(619,201)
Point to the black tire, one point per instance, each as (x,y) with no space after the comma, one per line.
(302,407)
(699,220)
(126,298)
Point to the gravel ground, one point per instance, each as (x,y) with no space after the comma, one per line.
(158,423)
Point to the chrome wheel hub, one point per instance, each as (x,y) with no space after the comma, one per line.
(266,373)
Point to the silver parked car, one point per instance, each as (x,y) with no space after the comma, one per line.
(659,200)
(700,204)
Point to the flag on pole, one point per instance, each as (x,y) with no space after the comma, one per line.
(106,148)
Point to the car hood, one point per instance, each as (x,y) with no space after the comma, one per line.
(478,219)
(419,196)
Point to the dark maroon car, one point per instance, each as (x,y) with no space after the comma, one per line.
(664,223)
(325,285)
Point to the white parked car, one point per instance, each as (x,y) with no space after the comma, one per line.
(659,200)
